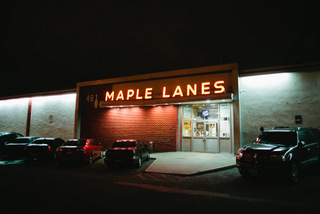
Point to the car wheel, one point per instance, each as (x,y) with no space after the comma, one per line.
(101,154)
(294,172)
(90,160)
(139,163)
(244,174)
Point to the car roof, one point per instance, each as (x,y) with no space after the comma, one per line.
(47,138)
(27,137)
(290,128)
(6,133)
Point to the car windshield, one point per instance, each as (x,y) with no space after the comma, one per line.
(124,144)
(284,138)
(75,143)
(23,140)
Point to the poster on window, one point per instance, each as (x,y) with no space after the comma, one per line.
(224,128)
(224,110)
(187,128)
(187,110)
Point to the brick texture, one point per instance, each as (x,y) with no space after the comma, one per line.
(156,124)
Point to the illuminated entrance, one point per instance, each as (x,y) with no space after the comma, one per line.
(193,109)
(206,127)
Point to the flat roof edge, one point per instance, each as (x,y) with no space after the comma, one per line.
(163,74)
(66,91)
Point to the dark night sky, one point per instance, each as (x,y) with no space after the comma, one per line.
(52,45)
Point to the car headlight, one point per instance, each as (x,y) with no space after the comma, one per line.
(276,157)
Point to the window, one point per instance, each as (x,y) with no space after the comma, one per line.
(206,119)
(306,137)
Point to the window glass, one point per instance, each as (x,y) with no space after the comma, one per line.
(75,143)
(198,129)
(316,134)
(186,132)
(206,119)
(305,136)
(224,120)
(211,129)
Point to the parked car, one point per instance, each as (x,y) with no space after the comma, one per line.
(281,151)
(15,147)
(7,136)
(43,148)
(85,149)
(126,151)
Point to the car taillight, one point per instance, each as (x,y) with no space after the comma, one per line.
(49,148)
(240,154)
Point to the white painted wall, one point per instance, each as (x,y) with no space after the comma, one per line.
(51,115)
(274,100)
(13,115)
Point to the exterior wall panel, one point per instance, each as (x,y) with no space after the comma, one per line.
(13,115)
(274,100)
(53,116)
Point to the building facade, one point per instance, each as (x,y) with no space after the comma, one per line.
(214,109)
(183,110)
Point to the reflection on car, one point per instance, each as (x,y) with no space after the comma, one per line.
(43,148)
(83,149)
(128,151)
(7,136)
(281,151)
(15,147)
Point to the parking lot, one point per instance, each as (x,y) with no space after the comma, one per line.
(36,185)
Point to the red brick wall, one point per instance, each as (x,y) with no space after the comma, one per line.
(156,124)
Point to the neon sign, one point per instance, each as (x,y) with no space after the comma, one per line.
(197,89)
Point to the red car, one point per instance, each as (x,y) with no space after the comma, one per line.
(83,149)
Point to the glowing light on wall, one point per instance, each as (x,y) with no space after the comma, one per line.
(14,102)
(55,98)
(265,80)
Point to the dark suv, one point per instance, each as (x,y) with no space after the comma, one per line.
(281,150)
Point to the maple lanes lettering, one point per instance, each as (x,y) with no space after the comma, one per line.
(147,93)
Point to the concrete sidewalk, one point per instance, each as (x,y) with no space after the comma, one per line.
(190,163)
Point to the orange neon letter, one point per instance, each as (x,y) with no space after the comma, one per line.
(192,90)
(164,95)
(130,93)
(177,91)
(137,95)
(148,94)
(109,96)
(217,85)
(205,88)
(120,96)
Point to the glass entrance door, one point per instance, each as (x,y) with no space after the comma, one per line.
(205,136)
(199,136)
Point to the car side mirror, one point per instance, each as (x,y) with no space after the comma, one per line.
(301,143)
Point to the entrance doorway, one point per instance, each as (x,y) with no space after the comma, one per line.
(206,127)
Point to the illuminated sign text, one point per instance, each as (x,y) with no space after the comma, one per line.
(204,88)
